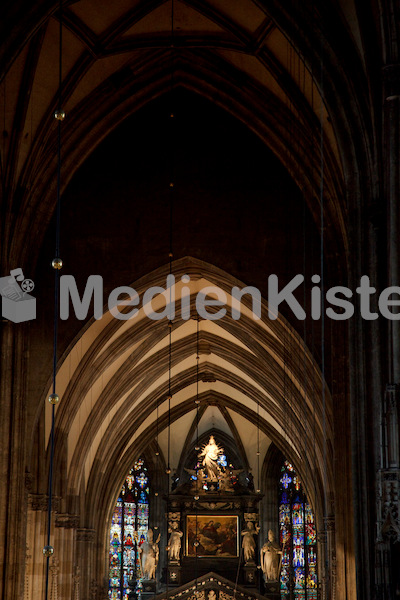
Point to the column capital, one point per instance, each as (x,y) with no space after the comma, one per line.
(329,522)
(392,388)
(41,502)
(86,535)
(67,521)
(391,78)
(392,393)
(321,536)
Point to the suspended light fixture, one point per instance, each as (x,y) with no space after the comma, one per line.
(57,264)
(170,258)
(170,253)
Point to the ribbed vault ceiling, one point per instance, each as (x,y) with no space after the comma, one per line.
(117,56)
(114,383)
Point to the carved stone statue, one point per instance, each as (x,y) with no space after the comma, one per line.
(211,452)
(270,558)
(174,542)
(149,553)
(248,542)
(213,476)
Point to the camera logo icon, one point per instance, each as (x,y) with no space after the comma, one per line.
(18,305)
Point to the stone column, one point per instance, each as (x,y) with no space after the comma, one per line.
(54,571)
(12,458)
(36,537)
(388,497)
(327,559)
(64,541)
(28,556)
(323,576)
(77,581)
(391,113)
(330,551)
(85,545)
(388,476)
(93,590)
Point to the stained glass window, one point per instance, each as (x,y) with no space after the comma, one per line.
(298,539)
(129,524)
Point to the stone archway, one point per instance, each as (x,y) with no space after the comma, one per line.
(113,381)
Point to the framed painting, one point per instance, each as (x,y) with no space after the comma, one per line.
(217,535)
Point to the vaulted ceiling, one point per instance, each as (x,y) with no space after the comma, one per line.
(118,56)
(305,77)
(257,384)
(259,61)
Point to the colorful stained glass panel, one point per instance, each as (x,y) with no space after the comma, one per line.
(129,525)
(298,539)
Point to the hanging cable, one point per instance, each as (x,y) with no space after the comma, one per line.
(157,430)
(322,266)
(314,390)
(170,253)
(258,448)
(322,273)
(197,496)
(170,258)
(4,119)
(169,398)
(59,115)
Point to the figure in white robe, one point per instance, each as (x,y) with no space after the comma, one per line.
(270,558)
(149,553)
(248,542)
(211,452)
(174,542)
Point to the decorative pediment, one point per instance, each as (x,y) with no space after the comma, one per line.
(210,587)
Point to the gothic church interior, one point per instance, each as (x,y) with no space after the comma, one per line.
(221,141)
